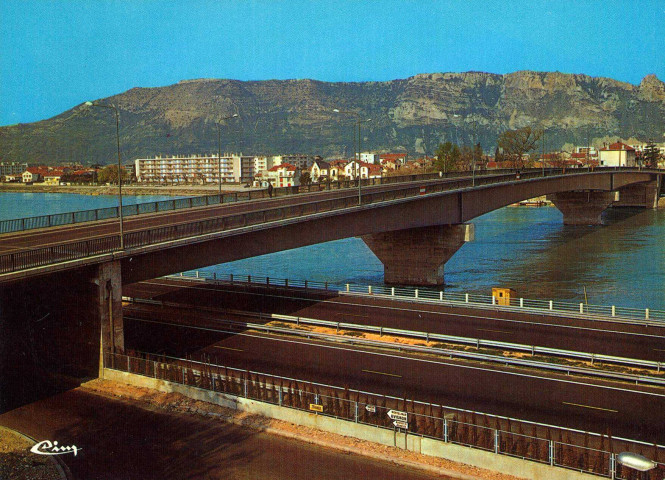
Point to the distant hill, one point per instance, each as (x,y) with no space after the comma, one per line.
(296,116)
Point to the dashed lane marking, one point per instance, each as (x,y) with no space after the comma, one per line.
(382,373)
(589,406)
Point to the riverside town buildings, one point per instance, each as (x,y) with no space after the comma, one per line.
(195,169)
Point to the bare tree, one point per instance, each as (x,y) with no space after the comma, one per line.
(517,143)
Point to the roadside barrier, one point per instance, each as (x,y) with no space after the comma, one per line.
(573,449)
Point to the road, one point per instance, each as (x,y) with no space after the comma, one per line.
(29,239)
(573,402)
(628,340)
(122,441)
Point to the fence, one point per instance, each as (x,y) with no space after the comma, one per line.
(501,435)
(425,295)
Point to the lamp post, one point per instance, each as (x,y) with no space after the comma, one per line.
(358,122)
(117,138)
(219,151)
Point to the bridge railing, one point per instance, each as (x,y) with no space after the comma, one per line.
(552,445)
(42,256)
(68,218)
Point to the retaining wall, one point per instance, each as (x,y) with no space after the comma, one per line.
(415,443)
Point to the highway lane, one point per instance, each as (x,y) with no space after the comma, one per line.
(591,336)
(578,403)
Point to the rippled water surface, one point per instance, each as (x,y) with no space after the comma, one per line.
(528,249)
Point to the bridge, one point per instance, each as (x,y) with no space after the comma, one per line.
(67,280)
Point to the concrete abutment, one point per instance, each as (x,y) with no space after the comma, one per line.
(416,256)
(52,328)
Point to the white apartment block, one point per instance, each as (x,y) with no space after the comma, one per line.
(12,168)
(195,169)
(298,160)
(368,157)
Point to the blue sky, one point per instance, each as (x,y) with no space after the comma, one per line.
(57,54)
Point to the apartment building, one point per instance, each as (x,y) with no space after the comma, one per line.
(12,168)
(195,169)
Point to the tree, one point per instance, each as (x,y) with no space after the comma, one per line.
(517,143)
(110,174)
(650,155)
(447,157)
(305,178)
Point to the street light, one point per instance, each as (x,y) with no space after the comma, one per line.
(358,122)
(636,462)
(117,138)
(219,151)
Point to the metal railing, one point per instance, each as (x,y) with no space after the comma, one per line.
(69,218)
(613,313)
(436,350)
(11,262)
(557,446)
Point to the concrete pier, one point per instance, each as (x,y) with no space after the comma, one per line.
(417,256)
(583,208)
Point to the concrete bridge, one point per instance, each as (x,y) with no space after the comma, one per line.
(69,279)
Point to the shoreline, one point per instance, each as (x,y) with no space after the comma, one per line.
(181,191)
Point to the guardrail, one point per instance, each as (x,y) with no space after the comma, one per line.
(427,295)
(69,218)
(545,444)
(448,352)
(25,259)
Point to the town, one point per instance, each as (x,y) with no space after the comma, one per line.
(291,170)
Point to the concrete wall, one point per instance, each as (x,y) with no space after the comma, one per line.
(426,446)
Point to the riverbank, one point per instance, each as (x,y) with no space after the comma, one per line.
(171,190)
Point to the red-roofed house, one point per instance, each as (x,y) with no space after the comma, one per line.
(617,155)
(34,174)
(283,175)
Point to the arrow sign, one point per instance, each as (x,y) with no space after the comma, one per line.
(370,408)
(399,424)
(398,416)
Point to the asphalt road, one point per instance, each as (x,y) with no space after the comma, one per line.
(122,441)
(29,239)
(579,403)
(591,336)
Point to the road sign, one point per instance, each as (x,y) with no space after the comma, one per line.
(370,408)
(398,416)
(315,407)
(399,424)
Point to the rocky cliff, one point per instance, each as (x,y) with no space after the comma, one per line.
(287,116)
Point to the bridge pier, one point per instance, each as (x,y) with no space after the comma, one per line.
(416,256)
(640,195)
(583,208)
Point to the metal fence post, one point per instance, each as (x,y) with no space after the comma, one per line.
(496,441)
(356,403)
(245,387)
(369,289)
(551,453)
(646,314)
(614,311)
(279,396)
(581,308)
(445,429)
(521,303)
(415,293)
(551,305)
(613,466)
(347,287)
(128,366)
(392,291)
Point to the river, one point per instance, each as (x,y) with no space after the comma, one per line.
(528,249)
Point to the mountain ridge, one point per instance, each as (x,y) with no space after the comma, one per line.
(296,115)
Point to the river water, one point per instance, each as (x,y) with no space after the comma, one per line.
(528,249)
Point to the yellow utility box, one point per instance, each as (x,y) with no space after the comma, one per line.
(502,296)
